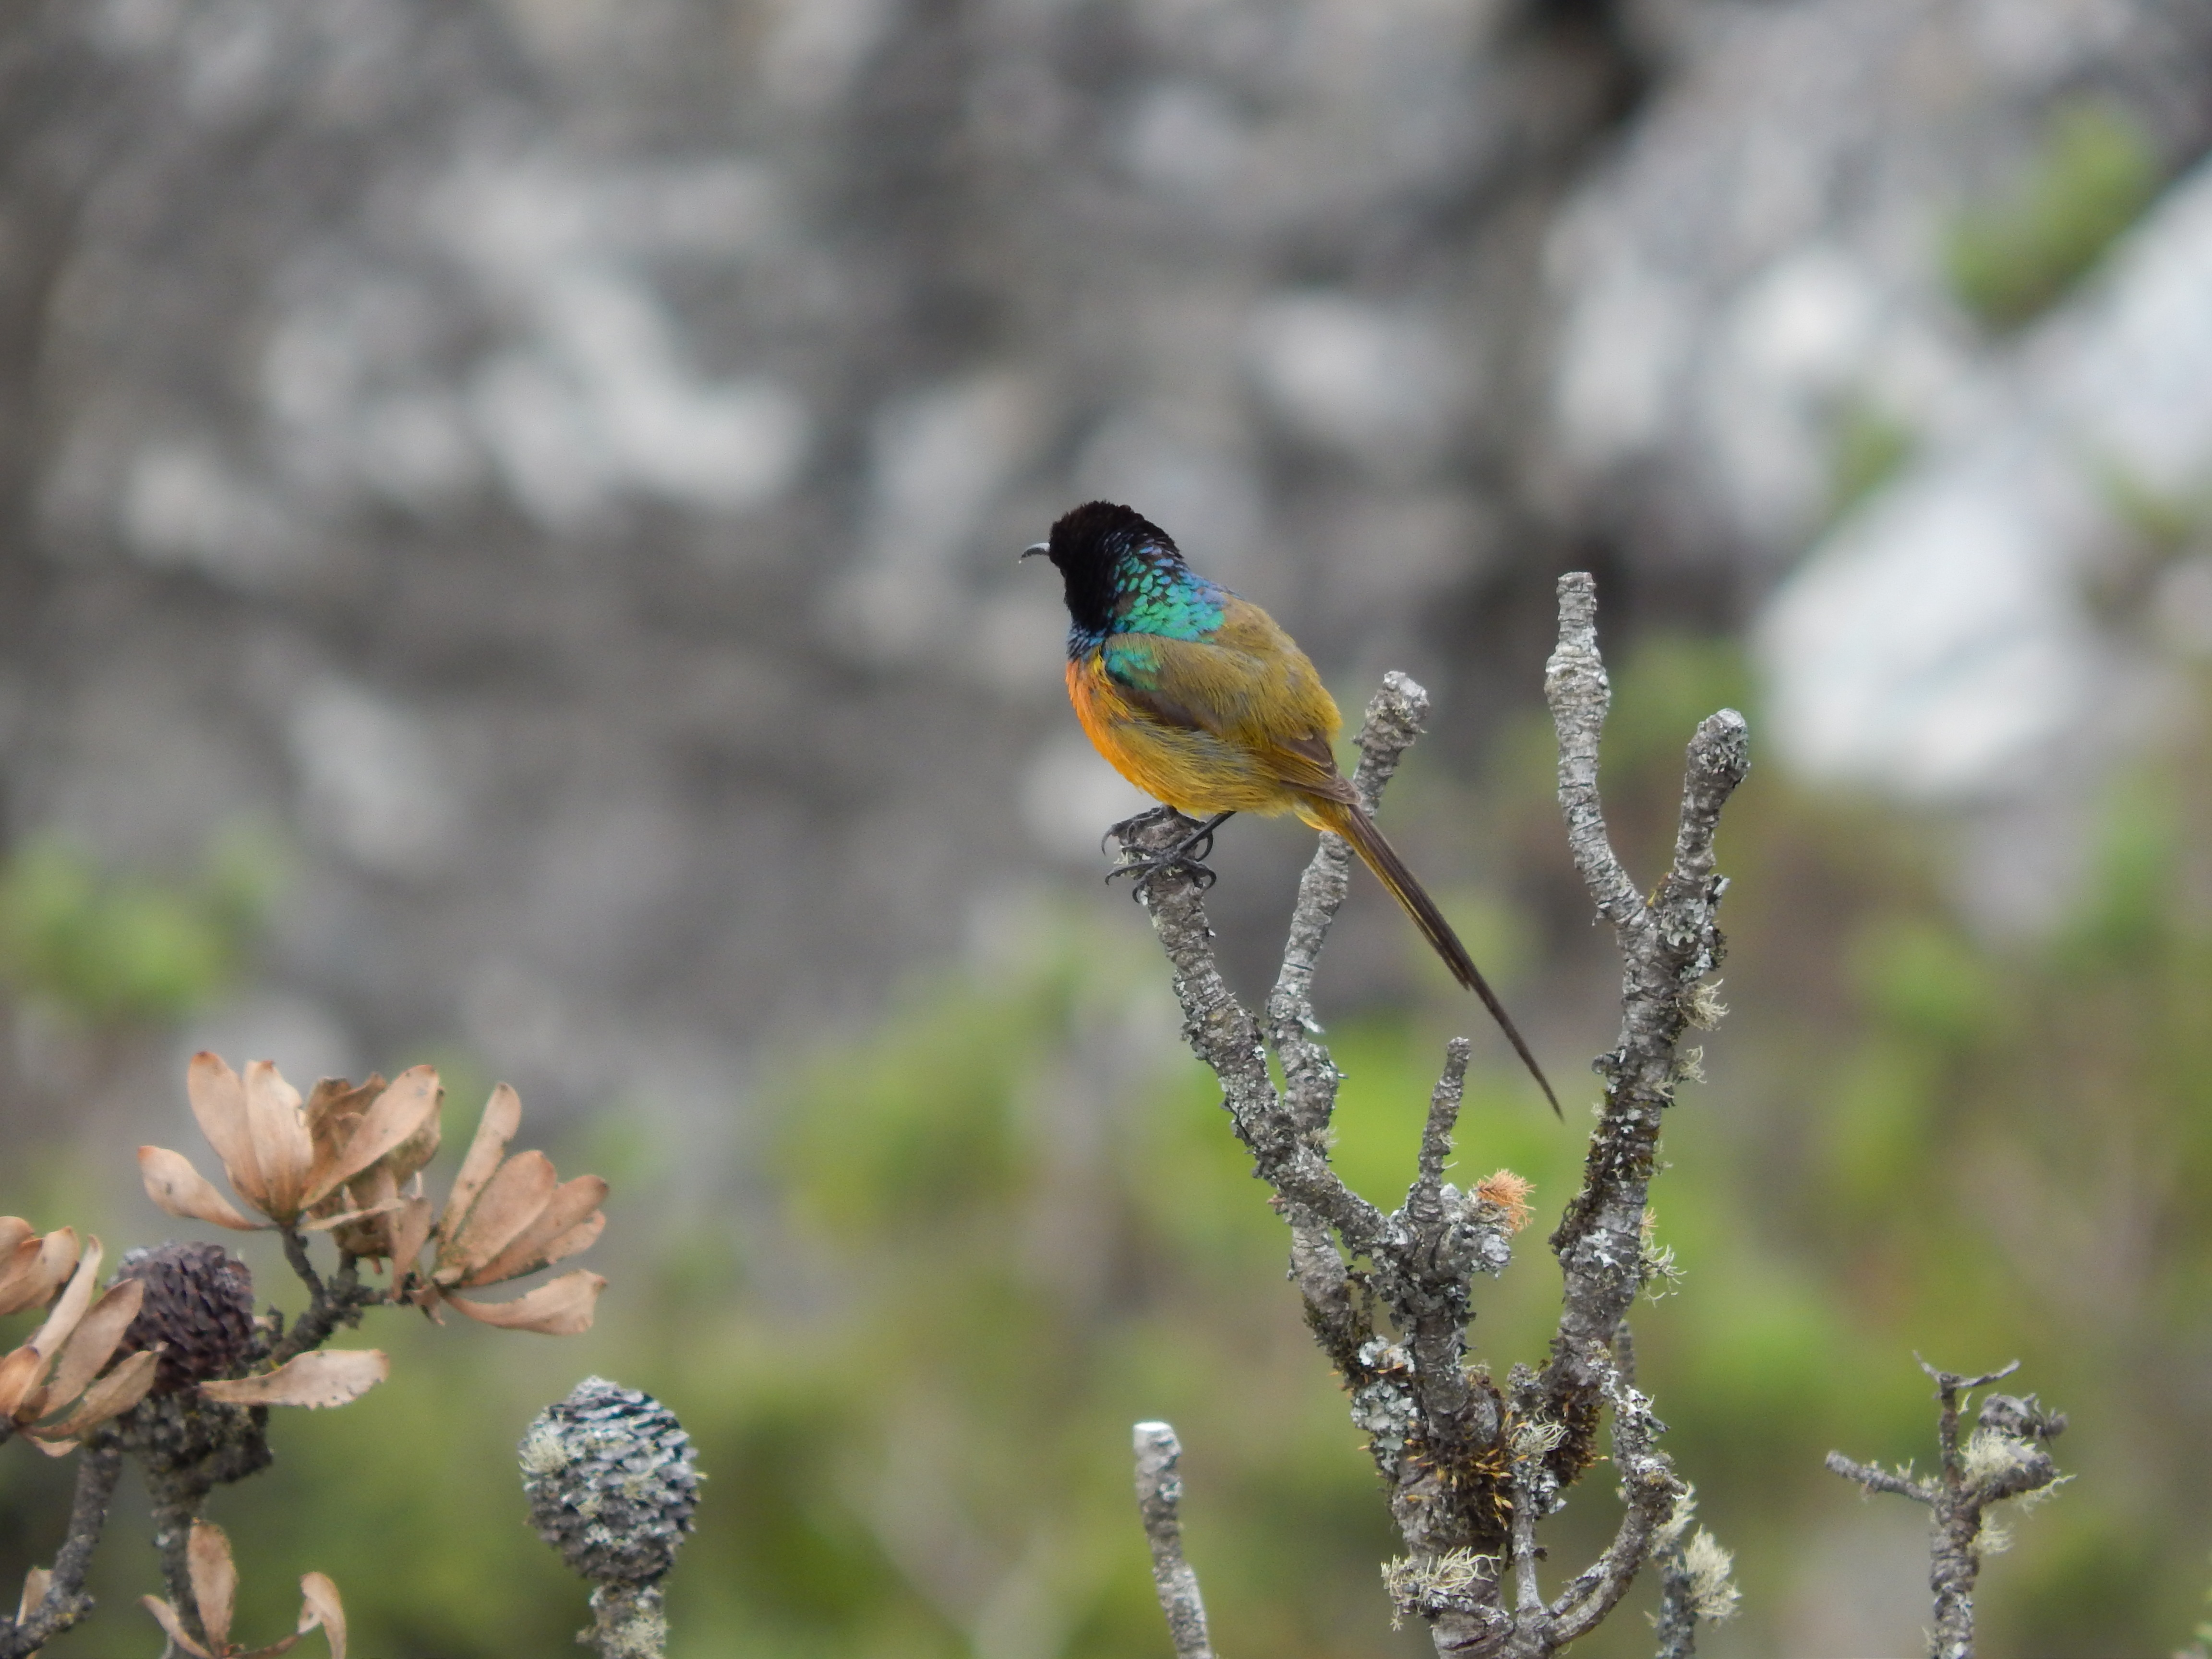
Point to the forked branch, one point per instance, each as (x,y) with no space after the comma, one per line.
(1470,1472)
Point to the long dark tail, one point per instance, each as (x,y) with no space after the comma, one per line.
(1378,855)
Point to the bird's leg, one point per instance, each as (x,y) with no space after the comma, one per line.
(1186,854)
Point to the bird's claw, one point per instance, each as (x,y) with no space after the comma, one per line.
(1188,855)
(1144,820)
(1141,871)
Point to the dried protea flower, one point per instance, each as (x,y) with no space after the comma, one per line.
(362,1212)
(338,1161)
(612,1482)
(199,1310)
(60,1363)
(505,1218)
(277,1159)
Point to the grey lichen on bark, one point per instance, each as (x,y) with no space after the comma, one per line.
(1159,1502)
(2007,1456)
(1470,1471)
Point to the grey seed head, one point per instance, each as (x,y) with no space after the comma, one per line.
(611,1481)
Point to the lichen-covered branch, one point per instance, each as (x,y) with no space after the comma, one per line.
(1667,946)
(1388,1295)
(1393,721)
(1159,1499)
(66,1602)
(2006,1456)
(187,1446)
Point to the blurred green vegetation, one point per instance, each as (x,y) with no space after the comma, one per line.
(132,947)
(2090,179)
(1010,1221)
(1867,448)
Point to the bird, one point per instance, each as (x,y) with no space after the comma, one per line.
(1198,698)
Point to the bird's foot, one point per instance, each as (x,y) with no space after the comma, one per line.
(1122,832)
(1186,856)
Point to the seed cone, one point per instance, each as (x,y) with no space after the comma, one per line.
(611,1481)
(199,1301)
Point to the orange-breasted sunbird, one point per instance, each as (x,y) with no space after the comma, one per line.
(1198,698)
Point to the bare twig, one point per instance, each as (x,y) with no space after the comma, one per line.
(1159,1498)
(331,1305)
(1872,1479)
(2006,1457)
(1468,1480)
(99,1464)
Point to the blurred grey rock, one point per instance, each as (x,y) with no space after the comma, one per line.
(1948,644)
(1765,258)
(561,461)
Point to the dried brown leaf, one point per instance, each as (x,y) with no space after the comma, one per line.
(19,1375)
(385,1203)
(218,1100)
(179,1189)
(334,1109)
(71,1306)
(560,1307)
(329,1376)
(582,1236)
(166,1616)
(502,1116)
(565,1208)
(111,1397)
(512,1199)
(34,1592)
(19,1248)
(16,1275)
(52,1261)
(215,1580)
(410,1231)
(282,1146)
(397,1117)
(93,1343)
(320,1606)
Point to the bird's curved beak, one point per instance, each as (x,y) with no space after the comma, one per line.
(1032,550)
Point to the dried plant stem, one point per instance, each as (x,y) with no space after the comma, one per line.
(331,1305)
(99,1462)
(1469,1480)
(188,1446)
(626,1622)
(1159,1498)
(174,1515)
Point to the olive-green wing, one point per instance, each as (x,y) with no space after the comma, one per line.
(1248,685)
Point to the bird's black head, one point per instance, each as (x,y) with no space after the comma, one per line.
(1096,545)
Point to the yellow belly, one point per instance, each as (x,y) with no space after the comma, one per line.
(1194,772)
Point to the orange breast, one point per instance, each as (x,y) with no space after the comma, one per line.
(1196,772)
